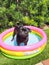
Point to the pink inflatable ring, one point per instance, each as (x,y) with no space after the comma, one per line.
(22,52)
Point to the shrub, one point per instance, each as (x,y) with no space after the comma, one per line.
(30,12)
(10,24)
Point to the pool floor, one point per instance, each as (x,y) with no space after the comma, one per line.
(33,39)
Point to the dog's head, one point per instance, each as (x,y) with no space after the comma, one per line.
(22,31)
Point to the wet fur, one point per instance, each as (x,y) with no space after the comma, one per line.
(21,33)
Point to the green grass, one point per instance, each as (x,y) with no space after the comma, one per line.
(32,61)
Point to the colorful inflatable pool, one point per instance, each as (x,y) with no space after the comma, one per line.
(35,45)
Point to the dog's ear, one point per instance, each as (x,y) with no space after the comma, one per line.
(16,26)
(28,30)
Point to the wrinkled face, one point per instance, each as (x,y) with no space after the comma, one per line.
(23,31)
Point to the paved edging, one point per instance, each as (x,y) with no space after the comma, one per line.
(45,62)
(39,63)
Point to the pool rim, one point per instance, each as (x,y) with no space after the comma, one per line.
(23,48)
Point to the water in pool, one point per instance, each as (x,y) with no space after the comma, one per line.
(33,39)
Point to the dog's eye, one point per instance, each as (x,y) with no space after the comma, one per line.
(24,29)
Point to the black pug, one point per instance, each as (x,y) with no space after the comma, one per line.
(21,33)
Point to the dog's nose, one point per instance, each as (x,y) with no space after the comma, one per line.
(23,33)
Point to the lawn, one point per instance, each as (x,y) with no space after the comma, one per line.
(32,61)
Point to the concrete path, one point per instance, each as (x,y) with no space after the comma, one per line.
(45,62)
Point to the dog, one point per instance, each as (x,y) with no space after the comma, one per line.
(22,34)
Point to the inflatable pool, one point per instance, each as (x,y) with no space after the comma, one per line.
(35,45)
